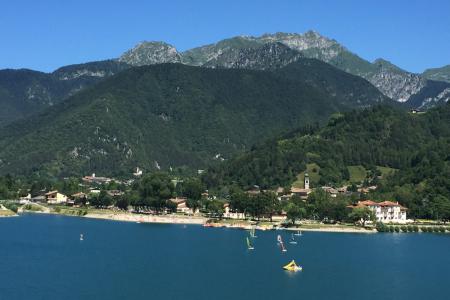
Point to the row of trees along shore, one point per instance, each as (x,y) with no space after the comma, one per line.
(152,193)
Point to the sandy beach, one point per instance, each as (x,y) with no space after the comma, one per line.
(199,220)
(128,217)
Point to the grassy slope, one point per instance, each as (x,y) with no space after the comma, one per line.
(313,171)
(357,173)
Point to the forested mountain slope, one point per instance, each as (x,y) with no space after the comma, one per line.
(26,92)
(417,145)
(176,115)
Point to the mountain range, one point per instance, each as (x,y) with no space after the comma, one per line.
(25,92)
(172,115)
(155,107)
(391,80)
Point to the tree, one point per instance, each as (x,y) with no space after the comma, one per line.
(240,202)
(441,208)
(101,200)
(192,190)
(258,205)
(122,203)
(80,201)
(171,206)
(155,189)
(352,188)
(70,186)
(363,214)
(321,204)
(215,208)
(294,212)
(271,204)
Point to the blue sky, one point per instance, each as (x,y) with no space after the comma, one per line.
(46,34)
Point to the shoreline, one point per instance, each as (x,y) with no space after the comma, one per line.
(123,216)
(9,216)
(335,229)
(161,219)
(330,228)
(224,223)
(199,220)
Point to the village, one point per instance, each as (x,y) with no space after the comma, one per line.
(104,197)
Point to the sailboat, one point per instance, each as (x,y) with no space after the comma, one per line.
(249,245)
(81,237)
(280,242)
(293,267)
(293,241)
(299,233)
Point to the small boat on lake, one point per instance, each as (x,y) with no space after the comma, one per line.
(293,267)
(299,233)
(293,241)
(81,237)
(281,244)
(249,245)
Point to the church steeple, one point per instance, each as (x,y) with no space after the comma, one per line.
(306,181)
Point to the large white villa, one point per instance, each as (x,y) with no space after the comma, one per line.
(386,211)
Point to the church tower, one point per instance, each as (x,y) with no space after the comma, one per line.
(306,181)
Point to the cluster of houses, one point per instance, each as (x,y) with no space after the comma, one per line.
(96,179)
(386,211)
(55,197)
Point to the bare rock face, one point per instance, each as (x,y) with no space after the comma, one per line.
(394,82)
(438,74)
(325,49)
(150,53)
(253,52)
(441,98)
(269,56)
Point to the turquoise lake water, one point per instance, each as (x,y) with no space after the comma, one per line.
(42,257)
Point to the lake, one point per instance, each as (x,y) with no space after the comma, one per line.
(42,257)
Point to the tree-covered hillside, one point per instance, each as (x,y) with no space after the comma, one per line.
(26,92)
(415,144)
(176,115)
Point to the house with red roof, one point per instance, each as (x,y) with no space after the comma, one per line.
(386,211)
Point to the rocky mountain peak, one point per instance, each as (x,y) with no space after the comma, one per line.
(269,56)
(381,64)
(300,42)
(149,53)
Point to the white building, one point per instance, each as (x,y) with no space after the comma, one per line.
(182,207)
(54,197)
(26,199)
(138,172)
(306,181)
(386,211)
(227,213)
